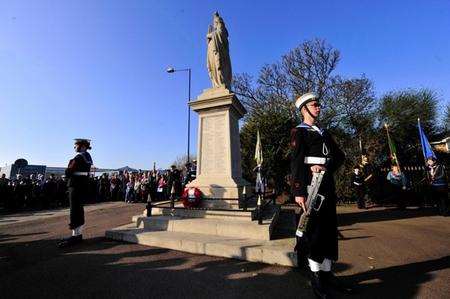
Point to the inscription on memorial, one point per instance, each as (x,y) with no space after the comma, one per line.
(213,145)
(235,148)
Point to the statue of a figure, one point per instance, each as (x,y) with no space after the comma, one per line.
(218,55)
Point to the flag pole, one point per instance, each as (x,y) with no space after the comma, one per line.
(420,136)
(360,148)
(391,149)
(419,127)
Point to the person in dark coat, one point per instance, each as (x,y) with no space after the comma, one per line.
(77,174)
(61,191)
(369,175)
(104,188)
(174,182)
(20,192)
(115,188)
(4,190)
(49,191)
(439,185)
(314,150)
(358,187)
(152,185)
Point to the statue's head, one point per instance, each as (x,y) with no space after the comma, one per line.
(218,21)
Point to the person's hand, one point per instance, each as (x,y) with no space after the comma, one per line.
(300,200)
(317,168)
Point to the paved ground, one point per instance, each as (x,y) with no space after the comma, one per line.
(388,253)
(17,218)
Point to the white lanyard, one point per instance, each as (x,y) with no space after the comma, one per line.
(325,151)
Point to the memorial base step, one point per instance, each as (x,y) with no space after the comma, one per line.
(276,252)
(220,227)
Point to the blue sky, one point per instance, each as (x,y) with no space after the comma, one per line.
(96,69)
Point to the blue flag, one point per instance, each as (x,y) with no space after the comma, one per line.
(426,147)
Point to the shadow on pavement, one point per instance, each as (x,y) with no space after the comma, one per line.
(10,237)
(382,215)
(102,268)
(398,281)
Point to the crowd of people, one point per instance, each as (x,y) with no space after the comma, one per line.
(398,187)
(37,192)
(32,191)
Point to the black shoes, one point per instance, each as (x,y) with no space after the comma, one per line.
(319,288)
(70,241)
(328,279)
(322,283)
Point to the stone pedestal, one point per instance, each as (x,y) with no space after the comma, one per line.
(219,173)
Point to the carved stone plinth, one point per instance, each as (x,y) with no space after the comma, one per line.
(219,173)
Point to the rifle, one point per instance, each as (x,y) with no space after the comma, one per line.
(313,202)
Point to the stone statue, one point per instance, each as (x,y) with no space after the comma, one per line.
(218,55)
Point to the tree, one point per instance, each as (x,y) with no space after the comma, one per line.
(446,124)
(180,161)
(306,68)
(353,105)
(274,125)
(401,109)
(309,68)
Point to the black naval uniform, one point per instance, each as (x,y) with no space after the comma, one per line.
(77,174)
(314,146)
(174,182)
(359,189)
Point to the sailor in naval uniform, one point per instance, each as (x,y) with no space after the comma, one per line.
(77,174)
(314,150)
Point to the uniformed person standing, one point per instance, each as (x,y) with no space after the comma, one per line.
(174,182)
(314,150)
(358,188)
(438,184)
(368,173)
(77,174)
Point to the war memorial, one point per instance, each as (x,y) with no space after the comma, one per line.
(226,224)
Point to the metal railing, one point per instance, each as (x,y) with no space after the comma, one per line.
(266,200)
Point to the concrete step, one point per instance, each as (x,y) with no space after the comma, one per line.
(276,252)
(225,223)
(219,227)
(209,214)
(227,204)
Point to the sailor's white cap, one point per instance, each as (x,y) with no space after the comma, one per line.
(83,141)
(307,97)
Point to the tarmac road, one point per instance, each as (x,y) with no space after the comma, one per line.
(388,253)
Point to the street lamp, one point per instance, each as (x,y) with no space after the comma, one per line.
(172,70)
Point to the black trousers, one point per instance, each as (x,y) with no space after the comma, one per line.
(320,241)
(359,194)
(76,197)
(440,197)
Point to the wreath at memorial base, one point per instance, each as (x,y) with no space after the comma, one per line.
(191,197)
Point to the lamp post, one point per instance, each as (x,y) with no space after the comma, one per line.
(172,70)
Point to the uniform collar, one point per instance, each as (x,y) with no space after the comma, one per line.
(314,128)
